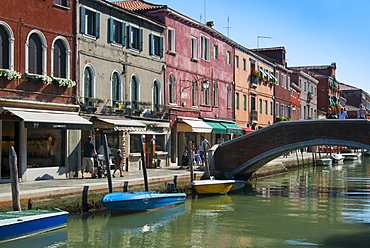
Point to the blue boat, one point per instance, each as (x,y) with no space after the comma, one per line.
(20,224)
(121,202)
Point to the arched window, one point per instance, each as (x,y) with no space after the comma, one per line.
(205,91)
(194,90)
(116,89)
(60,60)
(156,95)
(215,94)
(88,85)
(134,91)
(35,55)
(172,89)
(4,48)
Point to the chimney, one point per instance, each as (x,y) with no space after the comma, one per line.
(210,24)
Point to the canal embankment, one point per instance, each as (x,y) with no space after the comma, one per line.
(77,195)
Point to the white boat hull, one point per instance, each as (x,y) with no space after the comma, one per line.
(324,161)
(352,156)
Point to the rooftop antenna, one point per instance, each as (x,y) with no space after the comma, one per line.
(261,37)
(228,26)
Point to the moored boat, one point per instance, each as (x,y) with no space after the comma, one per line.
(324,161)
(20,224)
(215,186)
(337,158)
(121,202)
(351,156)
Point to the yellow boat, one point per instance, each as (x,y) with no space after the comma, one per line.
(215,186)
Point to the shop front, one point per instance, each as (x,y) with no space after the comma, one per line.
(47,142)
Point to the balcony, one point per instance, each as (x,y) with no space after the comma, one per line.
(136,108)
(89,104)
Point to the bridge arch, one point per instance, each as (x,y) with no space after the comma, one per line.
(244,155)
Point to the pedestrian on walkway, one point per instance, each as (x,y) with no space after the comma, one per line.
(361,113)
(118,159)
(342,114)
(88,158)
(331,115)
(203,148)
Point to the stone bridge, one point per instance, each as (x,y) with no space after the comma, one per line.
(244,155)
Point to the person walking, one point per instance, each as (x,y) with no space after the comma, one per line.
(118,163)
(342,114)
(331,115)
(88,157)
(203,148)
(361,113)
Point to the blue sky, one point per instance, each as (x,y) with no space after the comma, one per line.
(313,32)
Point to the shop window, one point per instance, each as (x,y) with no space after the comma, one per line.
(135,143)
(160,142)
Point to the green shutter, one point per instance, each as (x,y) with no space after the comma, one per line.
(82,20)
(97,24)
(111,31)
(123,26)
(140,40)
(161,47)
(129,44)
(152,44)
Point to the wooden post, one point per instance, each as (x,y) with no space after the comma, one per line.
(206,162)
(107,164)
(296,154)
(14,179)
(190,152)
(143,163)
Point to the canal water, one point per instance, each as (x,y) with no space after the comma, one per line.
(309,207)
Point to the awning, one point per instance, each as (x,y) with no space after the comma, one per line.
(232,128)
(160,124)
(125,124)
(216,127)
(49,119)
(193,125)
(248,130)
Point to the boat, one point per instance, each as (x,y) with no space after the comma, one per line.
(19,224)
(351,156)
(325,161)
(121,202)
(215,186)
(337,158)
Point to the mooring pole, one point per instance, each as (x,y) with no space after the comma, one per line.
(107,164)
(143,163)
(206,162)
(14,179)
(190,152)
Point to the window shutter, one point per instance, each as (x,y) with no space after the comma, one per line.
(82,20)
(97,24)
(152,47)
(129,43)
(111,30)
(161,47)
(140,39)
(123,26)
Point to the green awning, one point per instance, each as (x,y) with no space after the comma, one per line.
(232,128)
(216,127)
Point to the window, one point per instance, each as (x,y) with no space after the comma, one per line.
(171,42)
(283,111)
(134,91)
(194,89)
(244,102)
(63,3)
(135,38)
(205,47)
(35,55)
(215,94)
(89,22)
(277,78)
(215,52)
(194,48)
(228,96)
(266,107)
(260,108)
(253,103)
(156,45)
(88,84)
(60,60)
(4,48)
(117,32)
(244,64)
(305,86)
(283,81)
(236,61)
(237,101)
(156,95)
(205,90)
(172,89)
(116,88)
(288,86)
(271,110)
(277,109)
(228,57)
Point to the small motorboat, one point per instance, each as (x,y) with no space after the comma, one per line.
(21,224)
(215,186)
(351,156)
(337,158)
(325,161)
(121,202)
